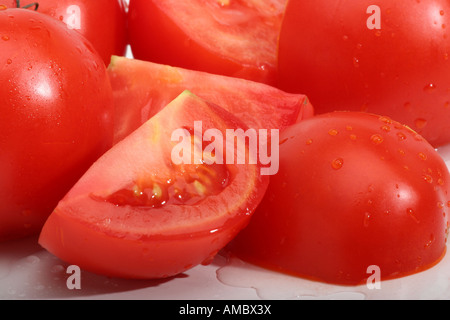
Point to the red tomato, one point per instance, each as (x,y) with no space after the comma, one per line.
(390,59)
(138,214)
(102,22)
(142,89)
(235,38)
(354,190)
(56,116)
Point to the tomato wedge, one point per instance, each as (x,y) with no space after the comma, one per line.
(142,89)
(138,214)
(235,38)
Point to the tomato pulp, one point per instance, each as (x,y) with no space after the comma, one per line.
(354,190)
(390,58)
(137,213)
(56,109)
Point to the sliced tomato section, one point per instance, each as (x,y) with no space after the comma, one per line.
(139,213)
(142,89)
(235,38)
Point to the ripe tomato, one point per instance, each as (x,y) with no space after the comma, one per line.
(102,22)
(235,38)
(142,89)
(354,190)
(56,116)
(390,59)
(138,214)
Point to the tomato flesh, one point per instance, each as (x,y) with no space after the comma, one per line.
(135,214)
(235,38)
(142,89)
(354,190)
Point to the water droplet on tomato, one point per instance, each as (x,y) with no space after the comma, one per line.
(5,38)
(429,88)
(420,123)
(386,128)
(422,156)
(309,141)
(430,241)
(333,132)
(9,61)
(441,12)
(367,217)
(337,163)
(376,139)
(412,214)
(355,62)
(428,178)
(401,136)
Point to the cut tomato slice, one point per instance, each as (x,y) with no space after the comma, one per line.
(142,89)
(236,38)
(137,213)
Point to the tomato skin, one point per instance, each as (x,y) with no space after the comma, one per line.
(102,22)
(156,36)
(372,192)
(56,106)
(143,242)
(327,52)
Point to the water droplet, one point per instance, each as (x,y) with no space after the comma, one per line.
(386,128)
(412,214)
(401,136)
(430,241)
(367,217)
(429,88)
(345,37)
(422,156)
(376,139)
(428,178)
(441,12)
(337,163)
(9,61)
(355,62)
(385,120)
(420,123)
(333,132)
(309,141)
(5,38)
(353,137)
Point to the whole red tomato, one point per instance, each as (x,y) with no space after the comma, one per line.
(386,57)
(56,116)
(102,22)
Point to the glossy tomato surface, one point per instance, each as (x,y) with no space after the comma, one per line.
(56,116)
(354,190)
(235,38)
(386,57)
(142,89)
(138,213)
(102,22)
